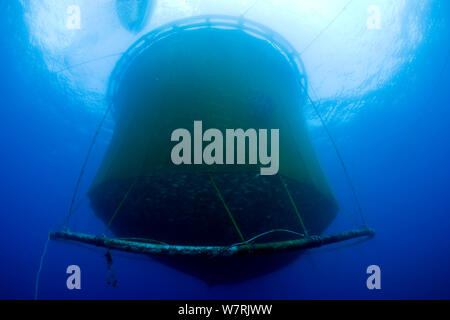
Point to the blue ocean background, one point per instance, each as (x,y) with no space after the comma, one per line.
(393,138)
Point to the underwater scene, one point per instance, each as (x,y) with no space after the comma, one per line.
(225,149)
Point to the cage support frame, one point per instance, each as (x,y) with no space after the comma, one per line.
(210,251)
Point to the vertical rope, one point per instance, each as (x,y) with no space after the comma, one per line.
(250,8)
(38,276)
(219,194)
(341,160)
(121,203)
(83,167)
(294,206)
(326,27)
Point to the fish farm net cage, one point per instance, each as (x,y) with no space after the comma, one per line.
(231,73)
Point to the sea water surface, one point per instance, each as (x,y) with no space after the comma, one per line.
(378,72)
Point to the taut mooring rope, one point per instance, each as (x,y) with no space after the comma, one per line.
(326,27)
(83,167)
(294,206)
(341,159)
(41,263)
(130,188)
(264,234)
(219,194)
(250,8)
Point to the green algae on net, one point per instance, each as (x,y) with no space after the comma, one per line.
(228,73)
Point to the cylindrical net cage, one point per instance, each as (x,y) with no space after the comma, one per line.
(228,73)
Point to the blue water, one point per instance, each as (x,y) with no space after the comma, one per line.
(393,135)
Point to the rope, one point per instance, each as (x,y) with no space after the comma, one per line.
(294,206)
(38,276)
(326,27)
(78,205)
(264,234)
(144,240)
(94,139)
(83,167)
(249,8)
(341,160)
(90,61)
(121,203)
(326,128)
(226,207)
(152,241)
(349,217)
